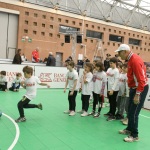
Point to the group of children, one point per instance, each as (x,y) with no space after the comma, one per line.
(15,83)
(95,81)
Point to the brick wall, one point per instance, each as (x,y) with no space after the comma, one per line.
(43,28)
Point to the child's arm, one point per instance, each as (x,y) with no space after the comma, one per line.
(44,84)
(23,84)
(66,85)
(103,88)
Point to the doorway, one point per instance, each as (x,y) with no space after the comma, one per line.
(59,58)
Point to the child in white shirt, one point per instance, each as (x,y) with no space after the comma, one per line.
(99,82)
(113,88)
(30,84)
(3,81)
(16,83)
(72,80)
(86,83)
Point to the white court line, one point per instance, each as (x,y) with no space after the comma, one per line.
(144,116)
(17,132)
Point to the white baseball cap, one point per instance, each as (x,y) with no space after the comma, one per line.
(123,47)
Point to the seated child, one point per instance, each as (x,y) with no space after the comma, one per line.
(16,83)
(3,81)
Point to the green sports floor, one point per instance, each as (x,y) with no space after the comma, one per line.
(51,129)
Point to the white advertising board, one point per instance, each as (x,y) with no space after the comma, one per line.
(54,76)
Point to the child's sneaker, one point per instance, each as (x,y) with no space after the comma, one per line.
(40,106)
(111,118)
(80,111)
(131,139)
(125,132)
(72,113)
(92,113)
(125,122)
(96,115)
(84,114)
(107,114)
(20,119)
(67,112)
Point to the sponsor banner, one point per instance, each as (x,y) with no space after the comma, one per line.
(54,76)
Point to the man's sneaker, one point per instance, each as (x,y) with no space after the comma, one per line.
(67,112)
(125,122)
(80,111)
(92,113)
(131,139)
(125,132)
(119,117)
(20,119)
(84,114)
(110,118)
(107,114)
(40,106)
(96,115)
(72,113)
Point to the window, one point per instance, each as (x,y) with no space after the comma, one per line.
(134,41)
(35,23)
(51,26)
(34,32)
(115,38)
(93,34)
(26,21)
(43,25)
(52,18)
(66,21)
(35,15)
(44,16)
(25,31)
(27,13)
(66,29)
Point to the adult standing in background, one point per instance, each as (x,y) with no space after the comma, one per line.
(35,55)
(106,62)
(17,58)
(85,59)
(51,61)
(137,82)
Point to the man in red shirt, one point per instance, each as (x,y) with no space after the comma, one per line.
(137,82)
(35,55)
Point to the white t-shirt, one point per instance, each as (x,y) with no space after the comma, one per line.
(113,77)
(31,86)
(3,80)
(72,76)
(98,79)
(123,88)
(87,87)
(16,81)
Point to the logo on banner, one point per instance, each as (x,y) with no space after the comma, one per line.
(45,77)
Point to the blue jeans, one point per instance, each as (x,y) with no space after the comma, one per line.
(134,111)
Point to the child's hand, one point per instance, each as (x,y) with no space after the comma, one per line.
(48,86)
(14,90)
(71,93)
(64,90)
(111,92)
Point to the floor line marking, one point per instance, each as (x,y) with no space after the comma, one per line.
(145,116)
(17,132)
